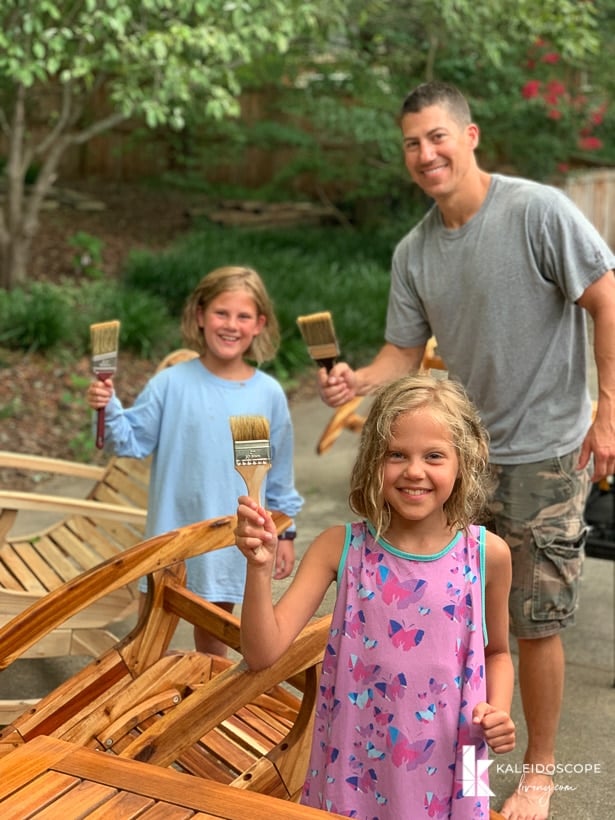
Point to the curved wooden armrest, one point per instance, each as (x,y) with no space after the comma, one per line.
(63,505)
(49,612)
(42,464)
(343,418)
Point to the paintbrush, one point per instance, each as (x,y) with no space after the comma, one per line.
(252,451)
(104,338)
(319,335)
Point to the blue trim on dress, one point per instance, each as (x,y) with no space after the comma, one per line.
(412,555)
(344,555)
(482,538)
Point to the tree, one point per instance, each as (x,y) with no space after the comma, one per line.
(338,109)
(152,59)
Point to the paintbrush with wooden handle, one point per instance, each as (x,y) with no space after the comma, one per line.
(319,335)
(252,451)
(105,342)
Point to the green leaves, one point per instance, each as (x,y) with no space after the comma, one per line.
(157,56)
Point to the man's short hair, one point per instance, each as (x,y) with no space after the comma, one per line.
(436,93)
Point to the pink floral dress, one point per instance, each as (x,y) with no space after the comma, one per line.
(403,668)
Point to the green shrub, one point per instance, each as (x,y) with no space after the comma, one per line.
(147,329)
(35,318)
(88,254)
(305,270)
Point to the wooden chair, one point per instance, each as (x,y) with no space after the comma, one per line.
(207,717)
(84,533)
(87,531)
(346,416)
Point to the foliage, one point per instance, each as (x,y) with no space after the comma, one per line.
(305,270)
(88,257)
(44,316)
(153,60)
(38,318)
(331,114)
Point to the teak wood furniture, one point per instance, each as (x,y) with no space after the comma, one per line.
(60,779)
(207,717)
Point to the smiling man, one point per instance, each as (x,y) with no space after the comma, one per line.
(503,271)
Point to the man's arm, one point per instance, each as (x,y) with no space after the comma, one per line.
(343,383)
(599,301)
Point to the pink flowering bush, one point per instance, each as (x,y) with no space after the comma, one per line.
(571,116)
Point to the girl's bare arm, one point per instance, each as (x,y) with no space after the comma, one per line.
(267,630)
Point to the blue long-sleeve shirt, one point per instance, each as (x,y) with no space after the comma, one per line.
(182,418)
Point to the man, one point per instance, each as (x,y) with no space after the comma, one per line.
(501,270)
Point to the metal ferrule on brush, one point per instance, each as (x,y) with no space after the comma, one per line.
(103,362)
(252,452)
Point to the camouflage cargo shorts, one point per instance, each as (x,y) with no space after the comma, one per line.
(538,510)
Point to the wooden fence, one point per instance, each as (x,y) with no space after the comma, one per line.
(594,193)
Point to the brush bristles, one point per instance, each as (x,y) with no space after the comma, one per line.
(250,439)
(249,428)
(317,330)
(105,337)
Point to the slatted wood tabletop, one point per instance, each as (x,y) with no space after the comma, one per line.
(49,778)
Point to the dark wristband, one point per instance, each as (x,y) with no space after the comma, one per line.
(287,535)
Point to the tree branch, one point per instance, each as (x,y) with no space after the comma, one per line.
(63,120)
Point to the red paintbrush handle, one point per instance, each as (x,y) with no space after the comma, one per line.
(100,428)
(100,421)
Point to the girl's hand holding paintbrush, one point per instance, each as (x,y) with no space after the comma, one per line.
(258,540)
(99,393)
(256,534)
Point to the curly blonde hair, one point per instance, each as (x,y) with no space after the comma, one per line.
(450,405)
(222,280)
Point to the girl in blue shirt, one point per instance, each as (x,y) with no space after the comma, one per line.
(182,418)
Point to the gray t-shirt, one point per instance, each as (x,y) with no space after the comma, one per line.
(499,294)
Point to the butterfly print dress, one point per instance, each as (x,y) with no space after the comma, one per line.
(402,671)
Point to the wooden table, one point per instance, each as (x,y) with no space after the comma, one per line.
(55,780)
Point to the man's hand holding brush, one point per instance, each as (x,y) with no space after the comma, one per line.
(337,386)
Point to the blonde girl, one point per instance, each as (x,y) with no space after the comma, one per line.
(182,418)
(417,676)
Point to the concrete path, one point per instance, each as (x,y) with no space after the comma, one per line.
(587,735)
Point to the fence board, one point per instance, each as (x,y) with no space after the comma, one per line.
(594,194)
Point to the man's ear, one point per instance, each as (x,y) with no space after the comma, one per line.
(473,132)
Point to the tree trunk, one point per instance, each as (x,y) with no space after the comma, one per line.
(15,255)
